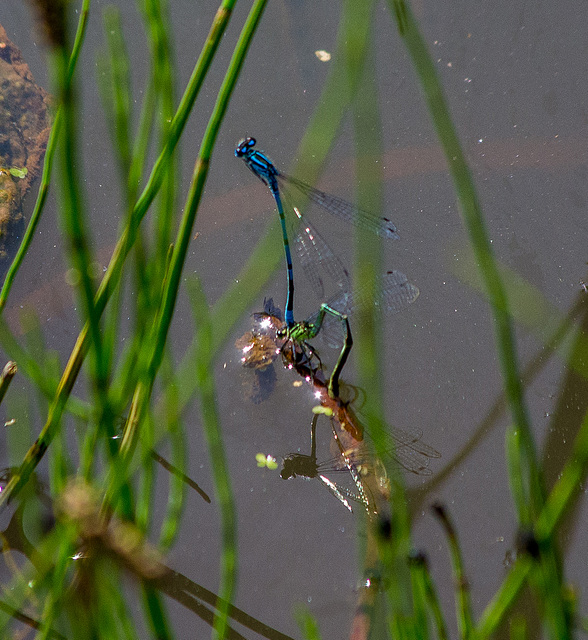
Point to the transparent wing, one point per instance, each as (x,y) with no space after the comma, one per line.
(322,268)
(343,209)
(410,452)
(317,259)
(395,293)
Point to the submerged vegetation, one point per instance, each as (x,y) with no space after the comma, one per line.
(94,521)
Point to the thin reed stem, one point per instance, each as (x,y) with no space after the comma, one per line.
(124,245)
(471,211)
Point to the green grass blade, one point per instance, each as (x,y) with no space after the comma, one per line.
(157,616)
(113,273)
(430,593)
(163,73)
(506,596)
(308,624)
(220,468)
(463,601)
(114,67)
(567,487)
(177,470)
(474,223)
(557,504)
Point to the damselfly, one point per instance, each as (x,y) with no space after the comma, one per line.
(310,240)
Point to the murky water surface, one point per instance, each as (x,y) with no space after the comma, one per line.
(515,80)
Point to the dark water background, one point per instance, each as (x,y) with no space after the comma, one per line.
(515,78)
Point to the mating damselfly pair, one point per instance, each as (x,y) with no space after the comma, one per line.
(395,293)
(315,254)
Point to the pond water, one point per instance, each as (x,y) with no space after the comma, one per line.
(515,78)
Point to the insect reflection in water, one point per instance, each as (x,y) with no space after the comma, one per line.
(370,481)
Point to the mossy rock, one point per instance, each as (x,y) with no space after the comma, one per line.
(25,123)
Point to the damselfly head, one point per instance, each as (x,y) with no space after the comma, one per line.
(244,146)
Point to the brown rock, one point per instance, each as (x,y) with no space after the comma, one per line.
(25,123)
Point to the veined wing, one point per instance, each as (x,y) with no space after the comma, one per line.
(317,258)
(395,293)
(410,452)
(343,209)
